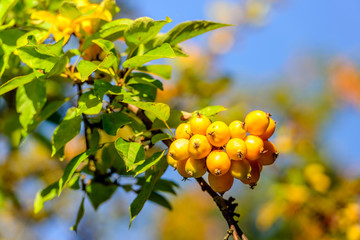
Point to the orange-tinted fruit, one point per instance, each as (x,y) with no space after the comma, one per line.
(218,133)
(269,155)
(195,167)
(199,146)
(254,147)
(269,131)
(236,149)
(218,162)
(178,149)
(257,122)
(199,123)
(237,129)
(183,131)
(221,184)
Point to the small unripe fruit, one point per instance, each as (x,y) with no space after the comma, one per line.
(199,123)
(218,162)
(172,162)
(221,183)
(257,122)
(270,154)
(183,131)
(178,149)
(195,167)
(236,149)
(254,175)
(237,129)
(240,169)
(181,169)
(254,147)
(199,146)
(269,131)
(218,133)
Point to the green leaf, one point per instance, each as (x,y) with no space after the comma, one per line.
(142,30)
(160,136)
(44,195)
(132,153)
(94,138)
(156,157)
(55,50)
(72,166)
(190,29)
(164,51)
(151,177)
(5,7)
(144,91)
(74,182)
(86,68)
(16,82)
(163,71)
(90,103)
(109,61)
(59,66)
(111,158)
(173,121)
(67,129)
(79,215)
(37,34)
(105,45)
(45,113)
(109,31)
(162,185)
(160,110)
(99,193)
(8,38)
(30,99)
(36,60)
(113,121)
(160,199)
(211,110)
(102,87)
(141,78)
(69,10)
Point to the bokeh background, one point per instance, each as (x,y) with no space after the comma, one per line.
(298,59)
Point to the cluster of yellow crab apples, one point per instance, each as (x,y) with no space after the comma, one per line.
(226,152)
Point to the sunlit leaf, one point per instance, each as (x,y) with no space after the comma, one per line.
(160,136)
(79,215)
(190,29)
(44,195)
(211,110)
(163,71)
(16,82)
(72,166)
(156,157)
(164,51)
(152,176)
(160,110)
(132,152)
(90,103)
(142,30)
(67,129)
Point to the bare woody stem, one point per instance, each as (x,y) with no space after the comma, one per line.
(227,207)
